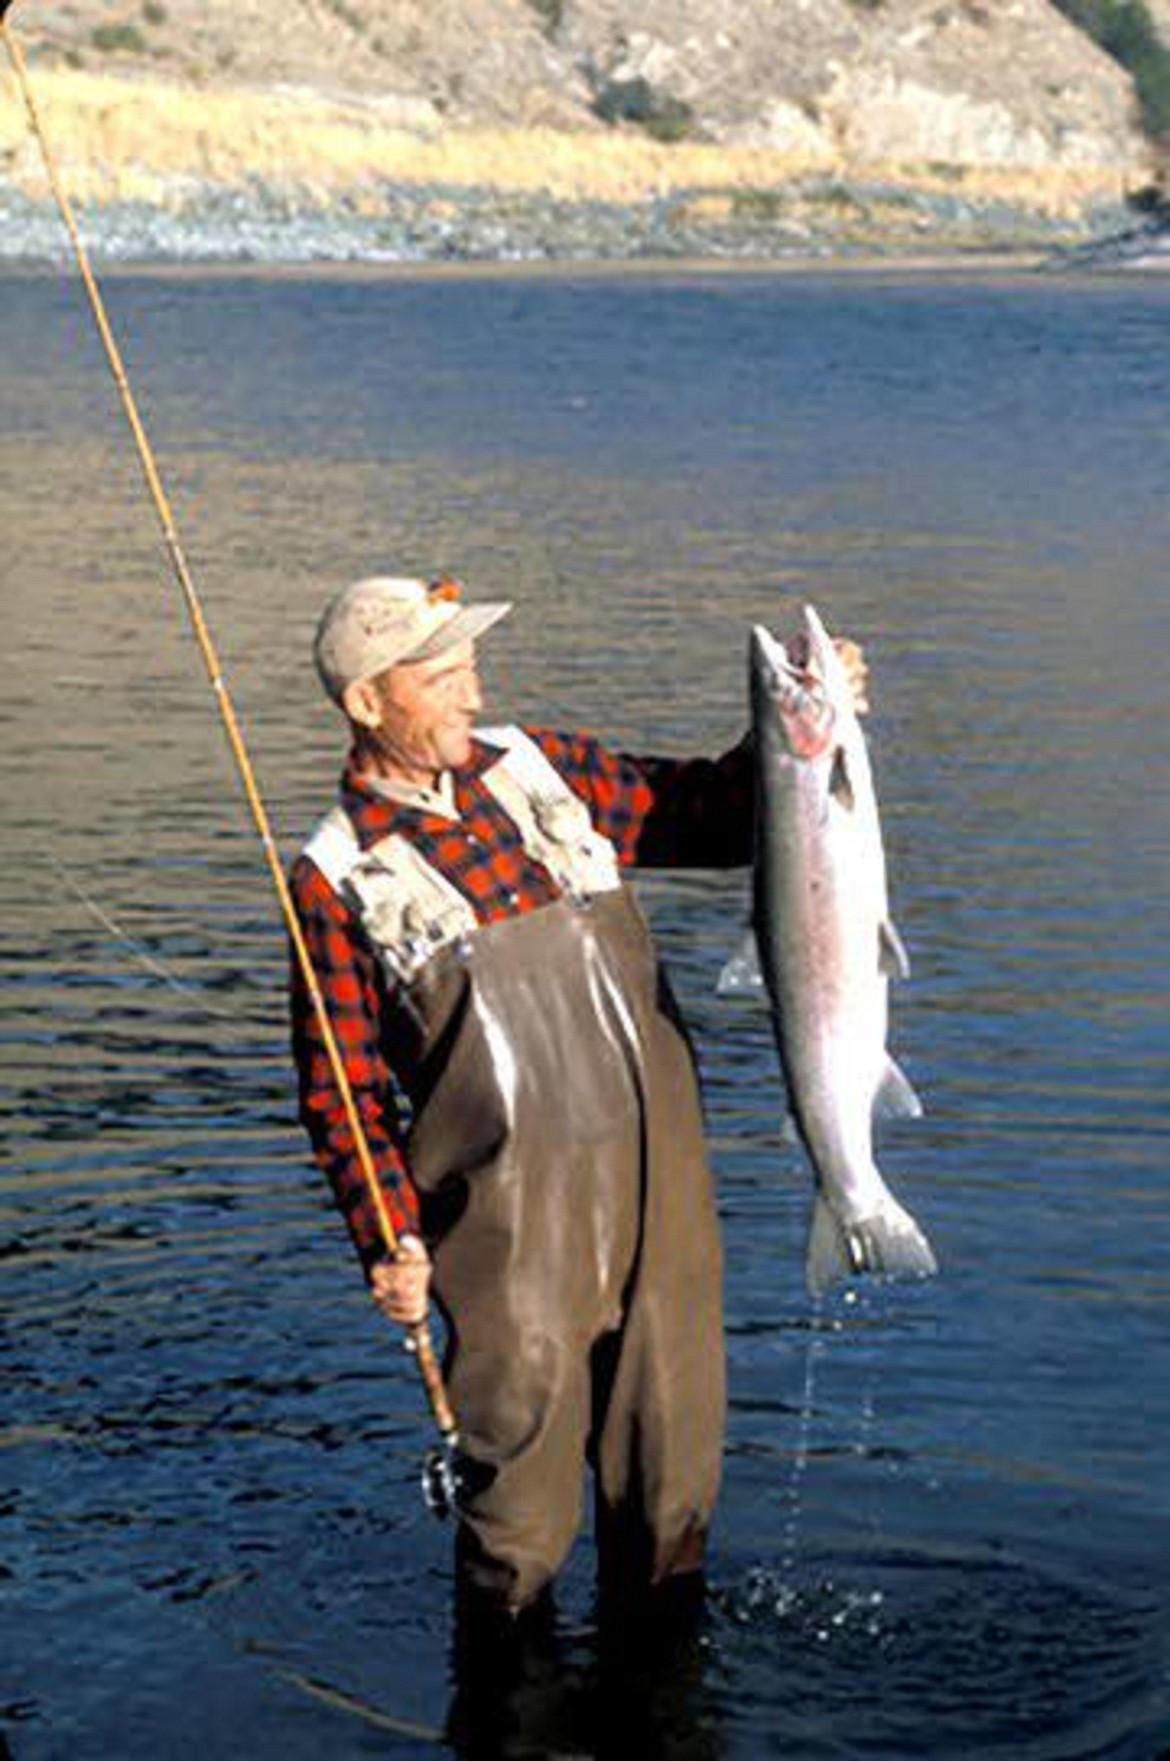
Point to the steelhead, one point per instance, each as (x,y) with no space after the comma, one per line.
(827,949)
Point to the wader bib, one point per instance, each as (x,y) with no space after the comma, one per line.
(557,1146)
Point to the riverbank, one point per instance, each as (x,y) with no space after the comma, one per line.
(163,172)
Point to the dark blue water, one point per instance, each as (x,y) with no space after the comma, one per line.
(945,1528)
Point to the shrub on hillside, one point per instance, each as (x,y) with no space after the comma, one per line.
(118,39)
(635,100)
(1125,30)
(551,14)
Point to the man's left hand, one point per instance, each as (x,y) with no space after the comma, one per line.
(852,658)
(399,1285)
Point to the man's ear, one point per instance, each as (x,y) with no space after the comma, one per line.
(361,705)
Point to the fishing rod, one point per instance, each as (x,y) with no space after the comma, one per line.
(439,1472)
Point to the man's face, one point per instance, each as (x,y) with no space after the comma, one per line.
(424,711)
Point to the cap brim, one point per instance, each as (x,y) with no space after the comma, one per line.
(468,624)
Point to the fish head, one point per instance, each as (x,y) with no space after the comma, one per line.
(792,707)
(819,654)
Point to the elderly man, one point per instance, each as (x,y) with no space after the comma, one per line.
(528,1091)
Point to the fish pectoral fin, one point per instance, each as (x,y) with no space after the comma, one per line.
(742,977)
(840,782)
(896,1097)
(889,1242)
(893,960)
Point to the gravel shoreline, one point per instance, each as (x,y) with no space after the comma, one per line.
(823,220)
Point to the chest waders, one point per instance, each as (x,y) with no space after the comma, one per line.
(558,1150)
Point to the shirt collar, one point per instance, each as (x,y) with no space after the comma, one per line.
(377,806)
(439,801)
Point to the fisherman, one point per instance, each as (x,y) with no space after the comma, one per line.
(528,1092)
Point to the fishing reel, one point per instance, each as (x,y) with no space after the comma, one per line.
(442,1469)
(449,1478)
(441,1481)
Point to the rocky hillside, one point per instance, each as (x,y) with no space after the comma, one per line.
(741,109)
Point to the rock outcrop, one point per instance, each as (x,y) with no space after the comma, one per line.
(1006,83)
(969,82)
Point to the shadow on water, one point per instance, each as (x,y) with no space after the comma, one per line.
(625,1688)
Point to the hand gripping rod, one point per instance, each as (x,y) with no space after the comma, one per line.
(438,1478)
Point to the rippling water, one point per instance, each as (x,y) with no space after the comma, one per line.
(946,1524)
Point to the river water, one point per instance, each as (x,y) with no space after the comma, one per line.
(945,1528)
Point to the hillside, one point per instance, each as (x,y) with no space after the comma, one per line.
(571,127)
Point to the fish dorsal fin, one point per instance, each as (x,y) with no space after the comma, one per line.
(895,1098)
(893,959)
(840,782)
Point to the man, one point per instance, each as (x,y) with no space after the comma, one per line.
(527,1089)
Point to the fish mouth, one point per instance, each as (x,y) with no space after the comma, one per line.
(796,690)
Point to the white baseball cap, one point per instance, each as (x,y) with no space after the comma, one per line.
(382,620)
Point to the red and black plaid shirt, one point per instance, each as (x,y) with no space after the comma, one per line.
(657,812)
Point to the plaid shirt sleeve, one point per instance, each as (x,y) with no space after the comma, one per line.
(346,973)
(662,812)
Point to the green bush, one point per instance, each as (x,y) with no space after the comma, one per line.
(113,39)
(635,100)
(551,14)
(349,15)
(1153,200)
(1125,30)
(758,204)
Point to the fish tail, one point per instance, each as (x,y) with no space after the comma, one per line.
(887,1242)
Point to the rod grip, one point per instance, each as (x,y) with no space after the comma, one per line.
(420,1342)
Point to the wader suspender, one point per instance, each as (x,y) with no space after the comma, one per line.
(409,910)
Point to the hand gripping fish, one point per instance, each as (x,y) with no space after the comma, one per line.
(827,949)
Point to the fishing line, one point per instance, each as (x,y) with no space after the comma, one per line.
(798,1467)
(439,1479)
(143,955)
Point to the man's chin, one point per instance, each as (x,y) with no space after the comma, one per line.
(457,751)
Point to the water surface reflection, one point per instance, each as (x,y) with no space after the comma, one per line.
(942,1503)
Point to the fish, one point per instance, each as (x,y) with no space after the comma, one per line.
(824,949)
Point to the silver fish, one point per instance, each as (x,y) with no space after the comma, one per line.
(826,949)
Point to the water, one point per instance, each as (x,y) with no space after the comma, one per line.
(946,1525)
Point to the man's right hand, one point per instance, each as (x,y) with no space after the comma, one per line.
(400,1286)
